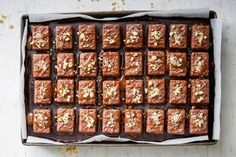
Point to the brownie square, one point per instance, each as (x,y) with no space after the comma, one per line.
(64,37)
(111,121)
(42,92)
(111,36)
(156,63)
(42,121)
(177,64)
(111,64)
(155,121)
(88,64)
(41,66)
(178,36)
(133,64)
(133,92)
(133,122)
(87,92)
(198,121)
(65,120)
(199,64)
(200,91)
(200,37)
(88,121)
(65,91)
(178,92)
(87,37)
(111,92)
(156,91)
(65,64)
(156,36)
(40,37)
(134,36)
(175,121)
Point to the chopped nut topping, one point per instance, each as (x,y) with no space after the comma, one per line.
(111,122)
(64,92)
(41,120)
(198,63)
(132,121)
(42,65)
(135,63)
(155,92)
(108,64)
(198,120)
(42,92)
(137,94)
(39,40)
(134,35)
(178,62)
(82,37)
(65,118)
(156,62)
(66,64)
(66,36)
(201,37)
(88,92)
(198,92)
(176,118)
(110,92)
(156,118)
(178,89)
(110,40)
(156,36)
(178,36)
(89,120)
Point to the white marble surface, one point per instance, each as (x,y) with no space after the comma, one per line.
(10,144)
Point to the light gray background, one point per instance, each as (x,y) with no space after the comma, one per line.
(10,144)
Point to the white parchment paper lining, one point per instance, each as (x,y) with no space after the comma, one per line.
(203,13)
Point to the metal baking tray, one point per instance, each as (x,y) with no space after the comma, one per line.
(212,15)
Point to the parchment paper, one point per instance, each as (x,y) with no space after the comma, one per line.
(201,13)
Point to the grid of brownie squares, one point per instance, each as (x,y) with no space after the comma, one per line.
(169,77)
